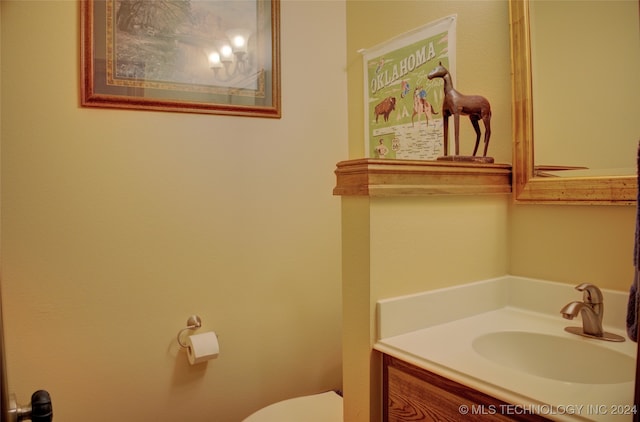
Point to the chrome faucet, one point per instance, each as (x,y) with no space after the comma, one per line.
(591,309)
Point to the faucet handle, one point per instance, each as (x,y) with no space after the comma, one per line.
(591,293)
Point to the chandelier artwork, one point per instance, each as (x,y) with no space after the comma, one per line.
(214,56)
(232,57)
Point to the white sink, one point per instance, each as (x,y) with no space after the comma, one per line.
(506,338)
(564,359)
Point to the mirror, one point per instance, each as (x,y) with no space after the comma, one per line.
(564,181)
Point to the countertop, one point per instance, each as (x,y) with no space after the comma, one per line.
(435,331)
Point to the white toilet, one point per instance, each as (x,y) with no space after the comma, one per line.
(323,407)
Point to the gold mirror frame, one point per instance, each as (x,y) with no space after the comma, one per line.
(527,188)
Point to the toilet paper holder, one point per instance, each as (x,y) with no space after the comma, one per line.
(194,322)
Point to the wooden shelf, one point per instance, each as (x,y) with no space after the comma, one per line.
(377,177)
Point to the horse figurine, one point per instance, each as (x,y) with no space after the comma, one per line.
(421,105)
(457,104)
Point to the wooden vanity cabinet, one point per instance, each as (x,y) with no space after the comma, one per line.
(415,394)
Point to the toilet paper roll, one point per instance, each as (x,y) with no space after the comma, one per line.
(202,347)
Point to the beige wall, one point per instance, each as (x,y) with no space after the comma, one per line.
(573,244)
(418,244)
(118,225)
(483,65)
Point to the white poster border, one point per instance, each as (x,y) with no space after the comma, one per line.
(420,148)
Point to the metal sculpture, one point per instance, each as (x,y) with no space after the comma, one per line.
(456,104)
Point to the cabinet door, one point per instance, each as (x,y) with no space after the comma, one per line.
(414,394)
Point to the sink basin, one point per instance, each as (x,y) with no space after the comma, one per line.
(559,358)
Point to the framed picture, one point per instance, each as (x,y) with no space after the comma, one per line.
(194,56)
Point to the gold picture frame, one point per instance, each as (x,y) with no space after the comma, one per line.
(177,56)
(528,186)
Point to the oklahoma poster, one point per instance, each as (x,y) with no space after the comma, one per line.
(403,108)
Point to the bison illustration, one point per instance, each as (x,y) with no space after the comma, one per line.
(385,107)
